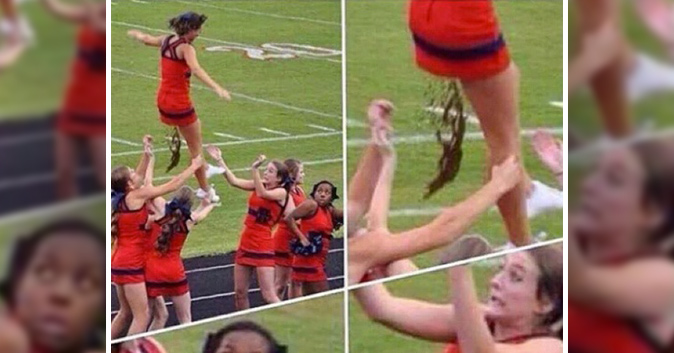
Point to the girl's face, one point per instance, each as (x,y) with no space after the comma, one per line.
(323,194)
(611,203)
(62,292)
(513,291)
(270,176)
(243,342)
(299,178)
(193,34)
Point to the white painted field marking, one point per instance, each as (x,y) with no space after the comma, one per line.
(139,1)
(168,138)
(319,127)
(275,132)
(222,134)
(244,142)
(470,136)
(355,123)
(213,40)
(557,104)
(472,119)
(240,95)
(318,162)
(125,142)
(295,18)
(415,212)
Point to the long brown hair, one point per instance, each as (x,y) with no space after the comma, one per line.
(550,262)
(283,174)
(186,22)
(293,166)
(177,213)
(119,182)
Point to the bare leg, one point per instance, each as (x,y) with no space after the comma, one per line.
(241,286)
(183,307)
(192,135)
(310,288)
(495,101)
(295,289)
(282,280)
(159,313)
(66,166)
(123,318)
(265,278)
(137,297)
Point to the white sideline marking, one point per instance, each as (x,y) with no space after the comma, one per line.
(557,104)
(131,25)
(222,134)
(472,119)
(470,136)
(224,295)
(319,127)
(276,132)
(244,142)
(318,162)
(240,95)
(414,212)
(125,142)
(296,18)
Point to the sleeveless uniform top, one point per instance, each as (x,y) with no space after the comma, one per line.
(173,96)
(84,107)
(312,268)
(283,234)
(256,246)
(165,272)
(128,257)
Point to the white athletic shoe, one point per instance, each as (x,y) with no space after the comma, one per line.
(543,199)
(648,77)
(211,195)
(212,170)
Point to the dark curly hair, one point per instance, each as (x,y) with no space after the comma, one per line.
(214,339)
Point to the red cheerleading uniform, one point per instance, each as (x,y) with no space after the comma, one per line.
(458,38)
(173,97)
(454,348)
(256,246)
(83,111)
(283,234)
(129,253)
(312,268)
(165,272)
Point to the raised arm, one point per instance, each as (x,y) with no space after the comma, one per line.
(141,168)
(147,39)
(443,230)
(232,179)
(66,11)
(190,55)
(641,288)
(381,198)
(149,171)
(150,192)
(278,194)
(201,213)
(428,321)
(305,209)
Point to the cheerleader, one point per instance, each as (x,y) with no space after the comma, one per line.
(131,193)
(54,291)
(269,201)
(164,269)
(177,64)
(318,218)
(141,345)
(621,253)
(375,245)
(522,315)
(243,336)
(83,113)
(283,235)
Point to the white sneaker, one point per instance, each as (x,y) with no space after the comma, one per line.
(543,199)
(211,195)
(648,77)
(212,170)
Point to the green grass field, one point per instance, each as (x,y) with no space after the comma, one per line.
(656,110)
(380,64)
(298,98)
(35,84)
(368,336)
(311,326)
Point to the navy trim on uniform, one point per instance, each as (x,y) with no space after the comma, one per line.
(476,52)
(305,270)
(256,255)
(127,272)
(177,115)
(166,284)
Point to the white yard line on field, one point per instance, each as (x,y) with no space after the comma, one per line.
(233,137)
(168,138)
(307,163)
(295,18)
(125,142)
(470,136)
(320,127)
(240,95)
(275,132)
(472,119)
(557,104)
(244,142)
(213,40)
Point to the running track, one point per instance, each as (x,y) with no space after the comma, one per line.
(27,165)
(211,281)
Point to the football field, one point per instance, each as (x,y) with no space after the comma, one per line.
(281,61)
(380,65)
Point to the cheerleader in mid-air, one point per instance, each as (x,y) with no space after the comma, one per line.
(269,201)
(164,269)
(178,63)
(318,218)
(375,245)
(523,313)
(132,190)
(283,235)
